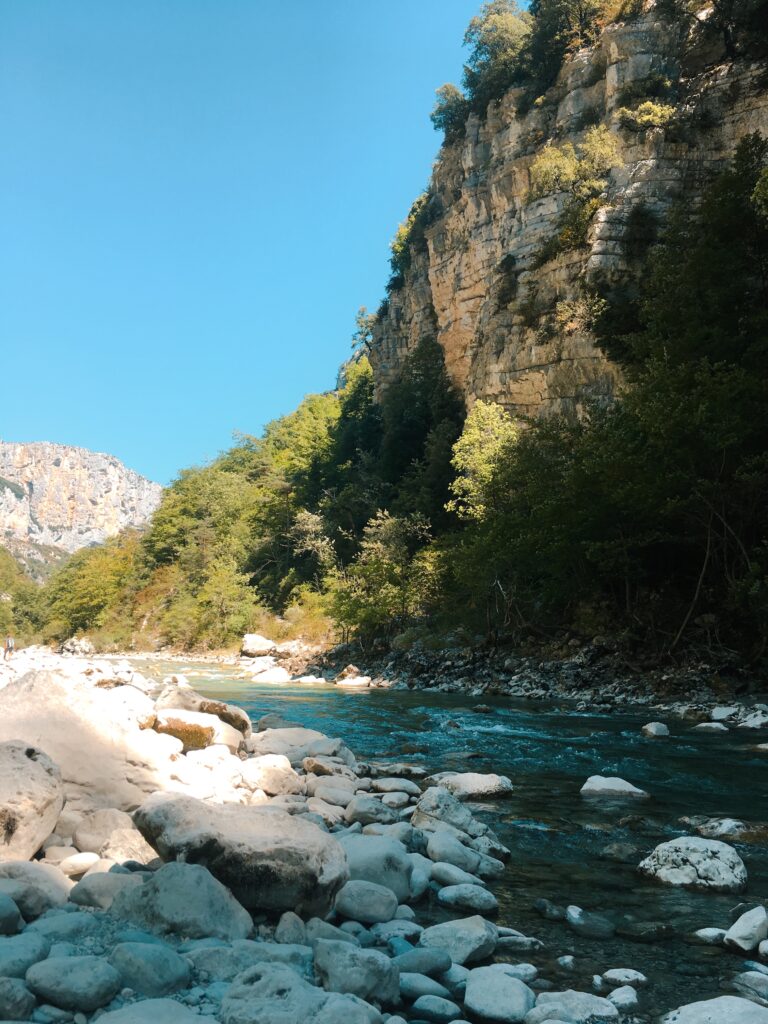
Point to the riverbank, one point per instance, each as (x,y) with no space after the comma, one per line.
(347,888)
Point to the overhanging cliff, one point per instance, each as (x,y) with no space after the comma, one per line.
(511,315)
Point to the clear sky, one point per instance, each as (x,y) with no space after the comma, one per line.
(195,198)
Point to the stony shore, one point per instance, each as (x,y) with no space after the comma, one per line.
(168,859)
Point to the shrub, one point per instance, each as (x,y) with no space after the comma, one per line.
(564,168)
(646,115)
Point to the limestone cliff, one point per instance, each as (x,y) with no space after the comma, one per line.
(512,324)
(55,498)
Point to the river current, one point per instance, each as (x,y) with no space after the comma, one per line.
(557,838)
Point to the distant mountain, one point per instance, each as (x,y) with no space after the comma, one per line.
(55,499)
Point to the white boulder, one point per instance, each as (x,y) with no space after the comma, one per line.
(748,931)
(696,863)
(721,1010)
(256,646)
(31,799)
(473,785)
(655,730)
(611,787)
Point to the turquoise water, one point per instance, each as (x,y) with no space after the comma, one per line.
(556,837)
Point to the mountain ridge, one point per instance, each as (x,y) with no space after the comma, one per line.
(57,498)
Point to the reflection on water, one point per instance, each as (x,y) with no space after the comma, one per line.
(556,837)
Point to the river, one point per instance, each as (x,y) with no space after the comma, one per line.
(555,836)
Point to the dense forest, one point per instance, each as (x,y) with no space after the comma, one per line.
(402,516)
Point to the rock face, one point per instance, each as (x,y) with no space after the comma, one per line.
(268,858)
(80,725)
(519,334)
(56,496)
(31,798)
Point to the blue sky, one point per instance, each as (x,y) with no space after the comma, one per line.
(195,198)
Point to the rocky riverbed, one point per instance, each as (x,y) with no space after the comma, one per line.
(169,856)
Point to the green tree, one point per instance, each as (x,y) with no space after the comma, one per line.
(449,114)
(496,37)
(488,435)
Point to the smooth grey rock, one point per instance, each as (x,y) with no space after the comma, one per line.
(623,998)
(436,1009)
(150,969)
(468,897)
(19,952)
(185,899)
(391,785)
(291,929)
(270,860)
(696,863)
(437,809)
(495,996)
(573,1006)
(95,828)
(381,860)
(366,902)
(60,926)
(10,918)
(259,991)
(466,941)
(367,809)
(318,929)
(100,890)
(749,930)
(74,982)
(589,924)
(624,976)
(34,887)
(444,847)
(152,1011)
(423,961)
(227,962)
(753,984)
(414,985)
(448,874)
(31,798)
(16,1001)
(721,1010)
(127,844)
(365,973)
